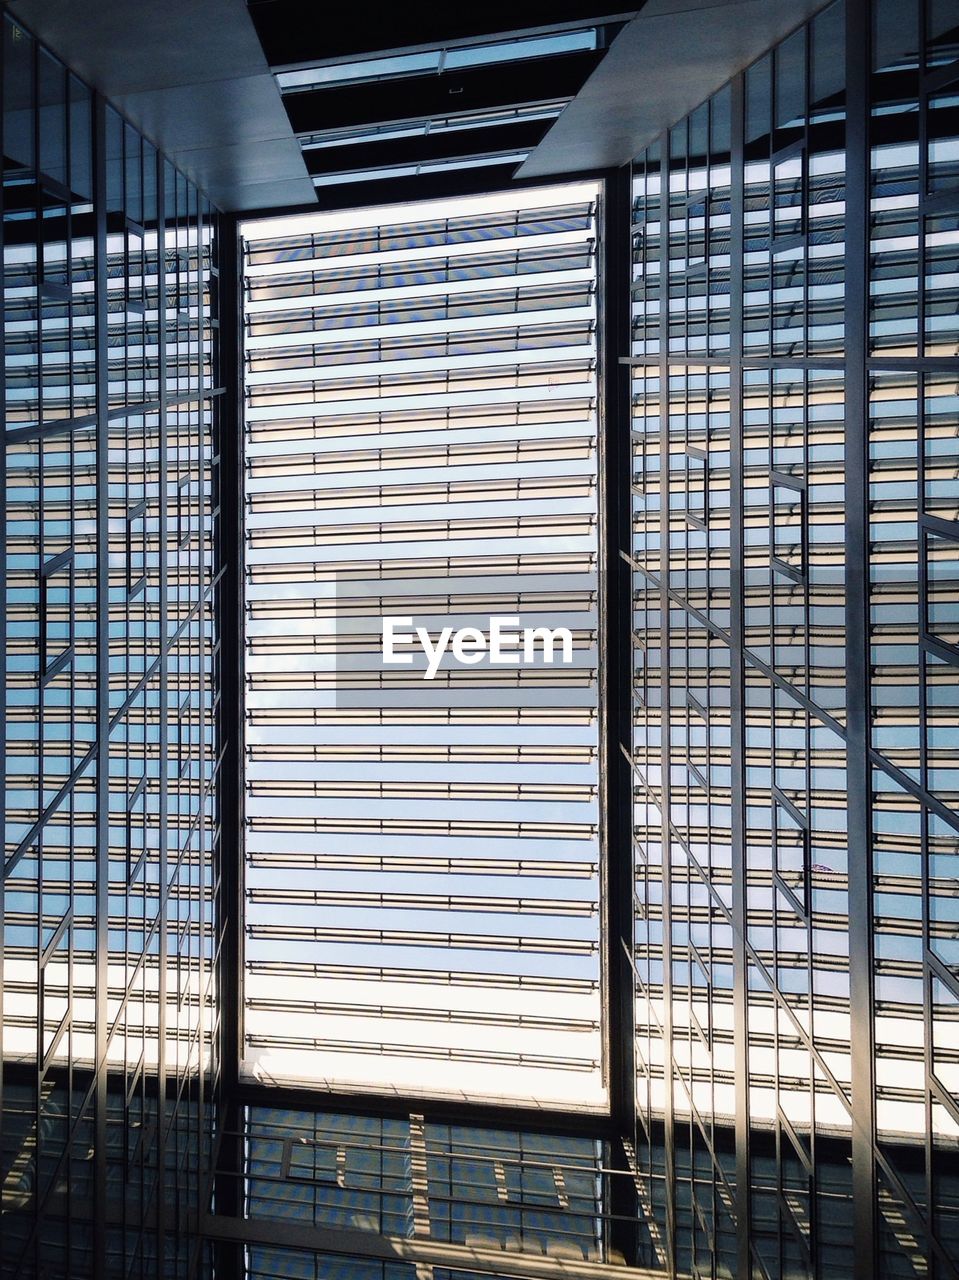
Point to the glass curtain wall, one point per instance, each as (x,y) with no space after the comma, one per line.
(795,406)
(424,1185)
(110,866)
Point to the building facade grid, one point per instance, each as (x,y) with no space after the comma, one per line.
(794,376)
(111,859)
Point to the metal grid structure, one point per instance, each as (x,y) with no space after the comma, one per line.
(110,871)
(320,1185)
(427,1197)
(422,857)
(794,377)
(766,432)
(465,112)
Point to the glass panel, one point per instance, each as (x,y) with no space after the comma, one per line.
(109,1021)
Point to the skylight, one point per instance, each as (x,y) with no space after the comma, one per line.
(421,128)
(415,170)
(436,60)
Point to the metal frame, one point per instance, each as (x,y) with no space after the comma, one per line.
(861,993)
(741,1145)
(100,427)
(883,1167)
(585,230)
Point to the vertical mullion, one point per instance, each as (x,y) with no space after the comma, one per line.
(923,589)
(199,743)
(229,561)
(669,1134)
(4,29)
(924,814)
(617,888)
(857,639)
(33,1251)
(71,1197)
(737,698)
(101,348)
(616,701)
(162,696)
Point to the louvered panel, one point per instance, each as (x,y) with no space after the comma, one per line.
(422,872)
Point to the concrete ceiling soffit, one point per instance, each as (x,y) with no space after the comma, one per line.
(670,58)
(192,77)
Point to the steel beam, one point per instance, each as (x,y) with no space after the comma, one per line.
(512,84)
(449,144)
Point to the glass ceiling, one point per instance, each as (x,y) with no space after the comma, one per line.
(415,170)
(422,856)
(421,128)
(437,60)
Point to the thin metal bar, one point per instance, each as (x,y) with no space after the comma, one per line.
(669,1127)
(164,693)
(230,553)
(924,646)
(228,1189)
(894,364)
(4,36)
(861,993)
(100,1187)
(33,1248)
(737,677)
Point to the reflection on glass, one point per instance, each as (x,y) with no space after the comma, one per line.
(108,869)
(783,410)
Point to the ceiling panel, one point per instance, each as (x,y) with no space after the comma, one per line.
(669,59)
(191,75)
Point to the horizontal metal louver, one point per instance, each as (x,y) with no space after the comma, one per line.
(422,856)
